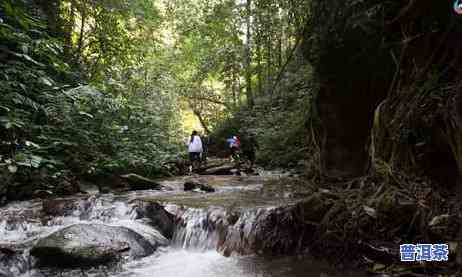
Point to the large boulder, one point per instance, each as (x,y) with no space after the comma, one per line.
(158,217)
(59,207)
(90,244)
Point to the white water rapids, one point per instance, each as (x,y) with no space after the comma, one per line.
(190,253)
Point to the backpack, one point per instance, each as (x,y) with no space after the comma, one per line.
(237,143)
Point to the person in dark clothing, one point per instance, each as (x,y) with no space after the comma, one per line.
(249,148)
(205,148)
(234,145)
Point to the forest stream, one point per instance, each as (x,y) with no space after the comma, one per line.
(105,104)
(195,247)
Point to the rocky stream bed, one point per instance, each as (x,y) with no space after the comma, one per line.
(225,225)
(224,231)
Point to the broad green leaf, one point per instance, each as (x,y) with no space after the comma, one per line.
(31,161)
(5,108)
(23,87)
(30,143)
(6,122)
(46,81)
(24,48)
(28,58)
(86,114)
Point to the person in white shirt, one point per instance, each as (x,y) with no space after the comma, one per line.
(194,147)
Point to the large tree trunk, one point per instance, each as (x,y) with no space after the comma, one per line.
(259,68)
(417,71)
(248,56)
(83,19)
(51,9)
(67,31)
(351,86)
(346,124)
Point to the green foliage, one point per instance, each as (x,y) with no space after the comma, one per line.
(284,123)
(31,79)
(91,87)
(51,123)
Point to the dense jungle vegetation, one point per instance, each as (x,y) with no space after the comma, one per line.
(91,88)
(94,88)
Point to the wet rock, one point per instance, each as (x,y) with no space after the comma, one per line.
(8,251)
(207,188)
(137,182)
(157,215)
(106,182)
(250,171)
(189,186)
(67,185)
(42,194)
(274,231)
(3,191)
(12,262)
(58,207)
(105,189)
(83,245)
(88,188)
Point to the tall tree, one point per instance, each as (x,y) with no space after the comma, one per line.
(248,55)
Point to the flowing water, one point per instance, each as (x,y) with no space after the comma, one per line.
(191,252)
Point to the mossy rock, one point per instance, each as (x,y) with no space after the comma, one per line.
(83,245)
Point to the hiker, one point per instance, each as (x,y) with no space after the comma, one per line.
(234,145)
(205,147)
(194,148)
(249,148)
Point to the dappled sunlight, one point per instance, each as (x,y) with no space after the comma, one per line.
(190,122)
(217,138)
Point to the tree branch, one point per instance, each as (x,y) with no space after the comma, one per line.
(201,119)
(203,98)
(289,58)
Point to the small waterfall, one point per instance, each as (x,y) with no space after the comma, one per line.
(229,232)
(197,234)
(197,229)
(23,223)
